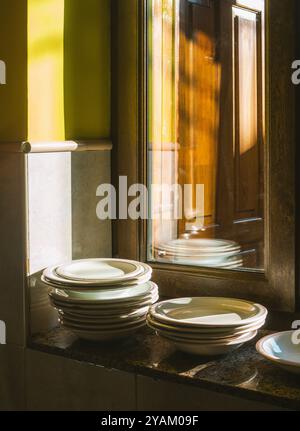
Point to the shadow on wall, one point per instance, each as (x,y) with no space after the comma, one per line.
(13,51)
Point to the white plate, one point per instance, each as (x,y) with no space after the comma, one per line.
(92,297)
(188,254)
(202,246)
(104,310)
(51,277)
(105,318)
(212,349)
(208,312)
(193,334)
(220,257)
(104,335)
(79,286)
(101,327)
(97,270)
(232,263)
(281,350)
(99,323)
(124,305)
(191,247)
(199,247)
(113,309)
(217,341)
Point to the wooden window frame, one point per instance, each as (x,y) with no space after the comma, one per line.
(276,287)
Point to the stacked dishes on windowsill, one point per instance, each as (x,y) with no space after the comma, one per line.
(207,326)
(101,299)
(201,252)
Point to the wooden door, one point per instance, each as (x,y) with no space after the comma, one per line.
(199,93)
(221,113)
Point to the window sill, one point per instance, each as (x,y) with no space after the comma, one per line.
(243,374)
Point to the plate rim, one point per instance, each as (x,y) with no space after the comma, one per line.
(233,342)
(271,358)
(246,328)
(262,311)
(49,275)
(123,305)
(153,290)
(135,264)
(106,327)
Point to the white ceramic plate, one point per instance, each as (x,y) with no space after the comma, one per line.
(117,308)
(209,258)
(193,334)
(124,305)
(105,318)
(212,349)
(220,341)
(79,286)
(201,246)
(104,335)
(101,327)
(99,323)
(104,310)
(198,252)
(97,270)
(180,254)
(232,263)
(281,350)
(51,277)
(92,297)
(208,312)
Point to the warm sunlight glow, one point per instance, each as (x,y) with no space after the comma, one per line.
(45,70)
(246,80)
(252,4)
(249,16)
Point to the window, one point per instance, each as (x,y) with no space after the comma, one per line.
(207,132)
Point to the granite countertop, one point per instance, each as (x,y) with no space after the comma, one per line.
(243,373)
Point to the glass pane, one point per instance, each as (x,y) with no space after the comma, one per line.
(206,109)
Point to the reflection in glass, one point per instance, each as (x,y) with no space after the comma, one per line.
(206,133)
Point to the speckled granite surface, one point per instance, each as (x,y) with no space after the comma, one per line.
(243,373)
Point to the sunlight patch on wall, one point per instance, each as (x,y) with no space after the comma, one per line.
(46,70)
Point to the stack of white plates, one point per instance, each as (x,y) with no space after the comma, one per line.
(207,326)
(101,299)
(42,316)
(201,252)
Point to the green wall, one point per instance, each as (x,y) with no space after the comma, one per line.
(87,58)
(86,70)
